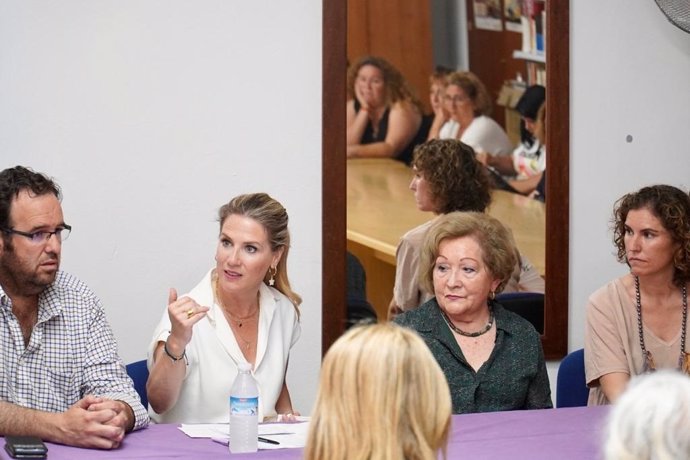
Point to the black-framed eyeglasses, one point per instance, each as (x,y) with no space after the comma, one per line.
(42,236)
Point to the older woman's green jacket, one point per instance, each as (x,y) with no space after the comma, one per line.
(514,377)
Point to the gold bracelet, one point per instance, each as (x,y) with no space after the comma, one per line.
(172,357)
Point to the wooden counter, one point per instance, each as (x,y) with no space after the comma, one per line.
(381,209)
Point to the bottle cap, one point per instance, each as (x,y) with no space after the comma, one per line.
(244,366)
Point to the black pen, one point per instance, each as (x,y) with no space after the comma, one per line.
(268,441)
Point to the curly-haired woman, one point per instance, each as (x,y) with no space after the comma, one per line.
(384,118)
(447,178)
(638,323)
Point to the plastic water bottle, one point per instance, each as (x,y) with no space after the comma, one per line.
(244,411)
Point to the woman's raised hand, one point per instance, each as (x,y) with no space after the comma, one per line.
(184,313)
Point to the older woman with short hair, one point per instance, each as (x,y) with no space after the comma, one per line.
(492,358)
(447,178)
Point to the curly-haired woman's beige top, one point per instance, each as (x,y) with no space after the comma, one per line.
(612,342)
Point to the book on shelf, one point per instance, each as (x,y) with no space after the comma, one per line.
(533,22)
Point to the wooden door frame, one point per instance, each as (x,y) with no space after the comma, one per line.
(334,308)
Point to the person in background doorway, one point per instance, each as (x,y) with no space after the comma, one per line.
(469,106)
(384,118)
(529,158)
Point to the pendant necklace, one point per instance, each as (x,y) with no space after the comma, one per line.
(683,359)
(483,331)
(239,321)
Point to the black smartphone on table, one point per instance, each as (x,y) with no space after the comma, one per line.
(25,447)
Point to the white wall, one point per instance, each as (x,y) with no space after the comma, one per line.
(629,71)
(449,33)
(150,115)
(629,76)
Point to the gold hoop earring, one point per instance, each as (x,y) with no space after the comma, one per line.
(273,271)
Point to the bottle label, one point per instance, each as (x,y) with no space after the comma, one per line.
(244,406)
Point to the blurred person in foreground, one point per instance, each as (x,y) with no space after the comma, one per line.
(381,396)
(651,419)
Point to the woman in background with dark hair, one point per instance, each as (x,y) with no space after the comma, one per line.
(535,186)
(384,118)
(529,158)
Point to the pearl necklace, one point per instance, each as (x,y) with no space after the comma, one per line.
(649,365)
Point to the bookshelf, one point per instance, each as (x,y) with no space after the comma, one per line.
(529,56)
(533,50)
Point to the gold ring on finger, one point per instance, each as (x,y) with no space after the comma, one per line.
(190,313)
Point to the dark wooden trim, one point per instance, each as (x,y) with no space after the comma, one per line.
(555,339)
(333,207)
(334,311)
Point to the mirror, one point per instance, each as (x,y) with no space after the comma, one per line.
(555,338)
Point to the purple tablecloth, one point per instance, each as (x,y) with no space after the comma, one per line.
(573,433)
(570,433)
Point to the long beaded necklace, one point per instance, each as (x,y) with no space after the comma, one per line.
(649,365)
(483,331)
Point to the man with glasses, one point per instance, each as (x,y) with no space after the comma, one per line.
(61,378)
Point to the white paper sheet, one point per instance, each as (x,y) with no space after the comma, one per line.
(289,435)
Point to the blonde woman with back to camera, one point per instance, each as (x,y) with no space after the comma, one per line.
(381,396)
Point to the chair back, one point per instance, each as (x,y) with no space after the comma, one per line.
(529,305)
(139,373)
(358,307)
(571,383)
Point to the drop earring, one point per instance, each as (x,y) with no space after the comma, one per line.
(271,280)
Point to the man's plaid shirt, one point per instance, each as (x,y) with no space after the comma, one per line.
(72,352)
